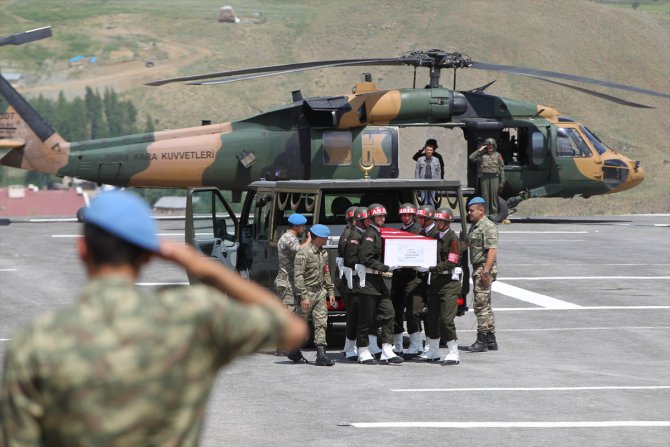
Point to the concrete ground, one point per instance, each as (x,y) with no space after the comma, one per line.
(583,323)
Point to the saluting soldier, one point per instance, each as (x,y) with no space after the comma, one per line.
(360,304)
(371,257)
(402,289)
(312,285)
(350,349)
(287,246)
(491,173)
(483,244)
(445,285)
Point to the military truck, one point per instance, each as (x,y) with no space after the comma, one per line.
(248,242)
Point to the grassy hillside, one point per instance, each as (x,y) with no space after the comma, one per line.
(588,38)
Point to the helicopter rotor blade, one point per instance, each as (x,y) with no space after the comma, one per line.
(604,96)
(279,69)
(532,72)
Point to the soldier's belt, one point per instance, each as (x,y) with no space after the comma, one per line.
(373,271)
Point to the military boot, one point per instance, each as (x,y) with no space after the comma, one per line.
(321,357)
(398,344)
(373,346)
(491,341)
(481,345)
(297,357)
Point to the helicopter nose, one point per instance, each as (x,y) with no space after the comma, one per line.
(636,174)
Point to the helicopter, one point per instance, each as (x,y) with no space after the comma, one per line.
(545,153)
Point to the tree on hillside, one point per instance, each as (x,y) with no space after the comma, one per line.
(94,112)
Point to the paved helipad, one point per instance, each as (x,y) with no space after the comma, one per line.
(583,317)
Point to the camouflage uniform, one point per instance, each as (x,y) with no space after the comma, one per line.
(370,255)
(360,304)
(481,237)
(119,363)
(443,290)
(403,284)
(313,282)
(287,246)
(491,174)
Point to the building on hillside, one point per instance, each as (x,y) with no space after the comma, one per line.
(15,79)
(227,14)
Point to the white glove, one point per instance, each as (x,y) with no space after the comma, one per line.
(393,267)
(421,269)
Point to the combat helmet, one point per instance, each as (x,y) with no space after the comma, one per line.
(376,209)
(350,213)
(491,141)
(360,213)
(407,208)
(425,211)
(444,214)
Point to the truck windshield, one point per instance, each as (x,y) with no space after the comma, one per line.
(334,204)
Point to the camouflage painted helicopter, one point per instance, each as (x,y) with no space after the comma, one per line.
(545,154)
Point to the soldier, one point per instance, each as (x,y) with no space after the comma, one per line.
(402,289)
(351,327)
(483,244)
(124,365)
(370,256)
(312,285)
(419,301)
(445,285)
(287,246)
(361,304)
(491,173)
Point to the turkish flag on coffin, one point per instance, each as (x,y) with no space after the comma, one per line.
(407,249)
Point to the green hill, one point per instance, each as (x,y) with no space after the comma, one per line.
(594,39)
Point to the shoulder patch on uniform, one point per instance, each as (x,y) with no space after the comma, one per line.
(353,241)
(369,239)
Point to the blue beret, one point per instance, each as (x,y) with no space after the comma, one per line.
(475,201)
(319,230)
(124,215)
(297,219)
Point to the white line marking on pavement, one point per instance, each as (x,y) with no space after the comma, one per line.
(161,283)
(8,270)
(531,297)
(590,264)
(518,424)
(543,278)
(79,235)
(543,232)
(595,328)
(512,309)
(525,241)
(550,388)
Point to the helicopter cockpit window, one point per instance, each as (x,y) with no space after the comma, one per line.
(569,143)
(600,147)
(337,148)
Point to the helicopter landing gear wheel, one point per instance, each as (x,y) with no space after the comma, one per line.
(503,210)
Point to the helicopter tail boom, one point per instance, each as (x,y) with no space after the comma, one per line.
(35,145)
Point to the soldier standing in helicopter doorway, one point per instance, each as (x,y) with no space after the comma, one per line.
(491,174)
